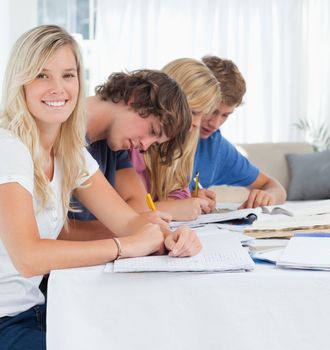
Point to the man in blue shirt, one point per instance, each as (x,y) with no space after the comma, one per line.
(217,160)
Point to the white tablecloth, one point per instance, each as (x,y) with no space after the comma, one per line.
(268,309)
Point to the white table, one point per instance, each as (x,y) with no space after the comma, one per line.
(268,309)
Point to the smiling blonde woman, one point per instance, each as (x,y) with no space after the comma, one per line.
(42,162)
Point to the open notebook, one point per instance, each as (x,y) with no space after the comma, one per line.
(219,254)
(222,215)
(305,208)
(249,216)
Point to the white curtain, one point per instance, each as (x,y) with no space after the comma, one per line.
(280,46)
(16,17)
(4,39)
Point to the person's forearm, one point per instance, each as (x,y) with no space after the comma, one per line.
(85,231)
(131,189)
(172,207)
(180,209)
(96,198)
(43,255)
(138,204)
(92,230)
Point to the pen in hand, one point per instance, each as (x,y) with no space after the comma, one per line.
(150,202)
(166,231)
(197,184)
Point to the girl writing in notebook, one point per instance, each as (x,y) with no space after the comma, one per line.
(42,161)
(169,184)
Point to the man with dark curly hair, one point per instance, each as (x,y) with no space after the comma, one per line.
(132,110)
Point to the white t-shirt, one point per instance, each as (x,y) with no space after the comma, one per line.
(18,293)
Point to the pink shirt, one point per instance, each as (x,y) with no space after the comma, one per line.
(139,165)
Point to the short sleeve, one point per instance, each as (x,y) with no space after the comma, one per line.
(219,163)
(16,163)
(91,167)
(234,169)
(180,194)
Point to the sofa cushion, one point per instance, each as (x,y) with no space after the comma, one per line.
(309,176)
(270,157)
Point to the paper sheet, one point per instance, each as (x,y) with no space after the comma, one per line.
(307,252)
(218,254)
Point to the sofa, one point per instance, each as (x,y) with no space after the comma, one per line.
(268,157)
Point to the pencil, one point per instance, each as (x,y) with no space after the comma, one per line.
(196,184)
(150,202)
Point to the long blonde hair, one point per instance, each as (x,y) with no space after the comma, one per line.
(203,94)
(28,57)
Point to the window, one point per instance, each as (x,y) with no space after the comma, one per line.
(78,18)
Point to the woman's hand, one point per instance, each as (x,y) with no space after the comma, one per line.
(158,217)
(210,196)
(182,242)
(187,209)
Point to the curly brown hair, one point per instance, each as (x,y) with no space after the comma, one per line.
(231,81)
(153,92)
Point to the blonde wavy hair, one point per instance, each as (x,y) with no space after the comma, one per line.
(28,57)
(203,94)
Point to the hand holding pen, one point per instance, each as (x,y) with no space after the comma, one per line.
(155,216)
(150,202)
(206,194)
(197,184)
(181,242)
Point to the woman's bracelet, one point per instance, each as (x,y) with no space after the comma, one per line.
(119,250)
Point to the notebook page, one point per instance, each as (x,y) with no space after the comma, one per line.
(218,254)
(299,209)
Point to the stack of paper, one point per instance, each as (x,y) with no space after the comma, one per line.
(270,217)
(288,226)
(259,245)
(219,254)
(269,255)
(271,221)
(217,229)
(267,249)
(307,252)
